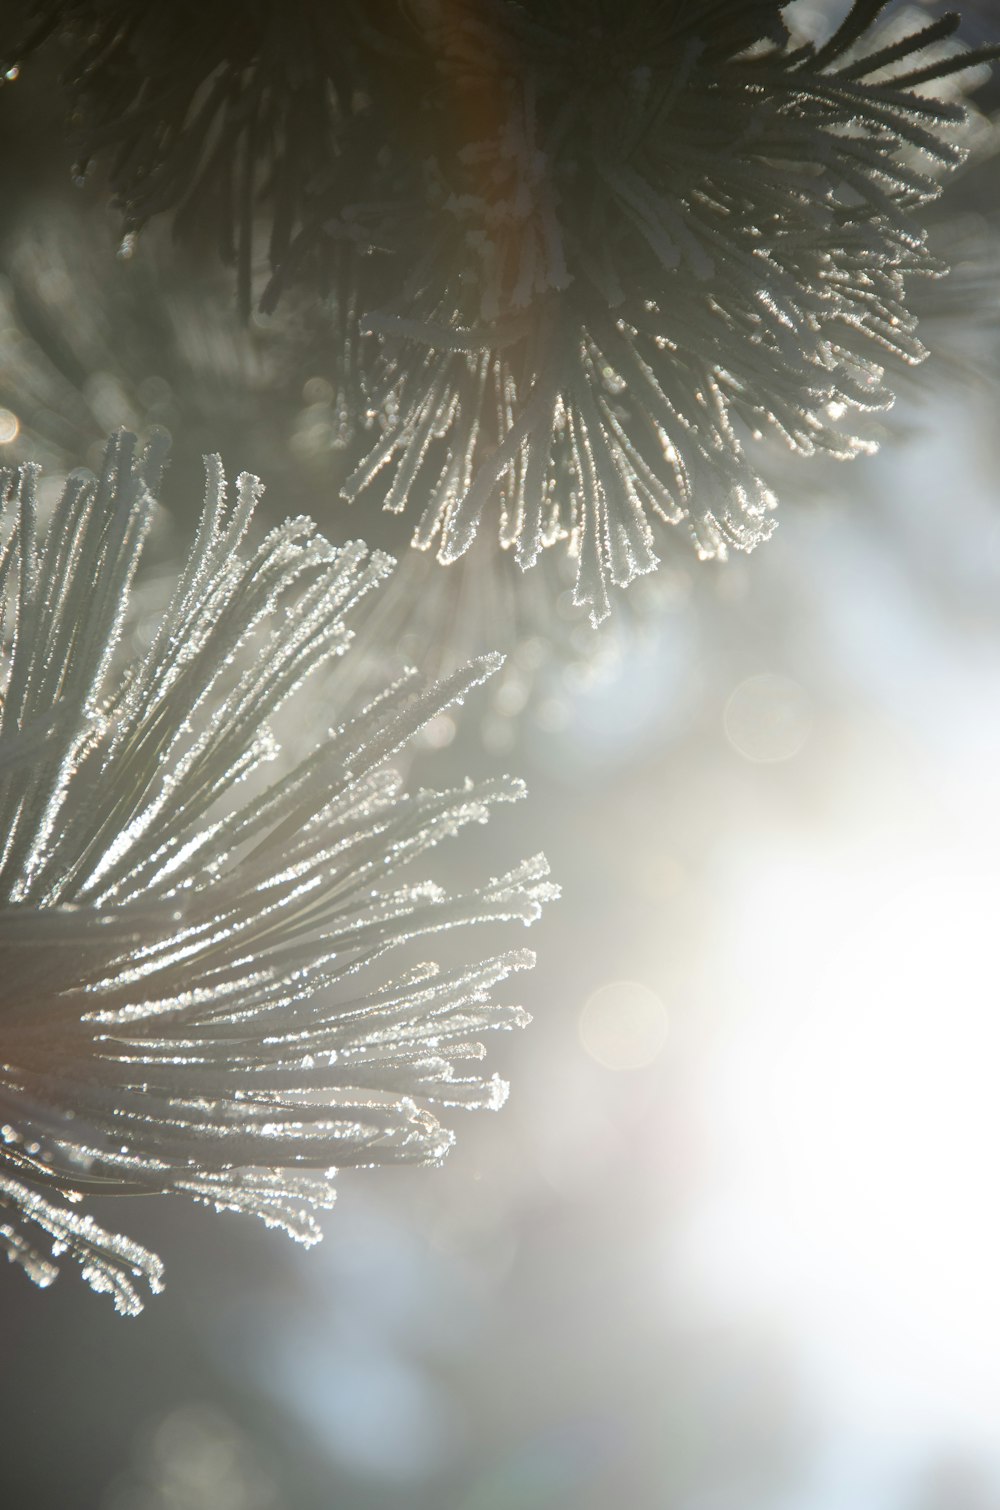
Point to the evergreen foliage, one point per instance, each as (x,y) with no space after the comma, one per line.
(194,995)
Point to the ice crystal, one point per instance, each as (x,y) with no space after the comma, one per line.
(438,617)
(193,995)
(585,259)
(682,234)
(89,344)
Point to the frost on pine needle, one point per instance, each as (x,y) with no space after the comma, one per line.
(586,260)
(193,997)
(684,233)
(438,617)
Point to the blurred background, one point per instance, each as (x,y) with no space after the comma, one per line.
(733,1243)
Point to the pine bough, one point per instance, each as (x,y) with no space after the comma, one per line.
(584,255)
(192,991)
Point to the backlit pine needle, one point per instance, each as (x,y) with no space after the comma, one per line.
(194,994)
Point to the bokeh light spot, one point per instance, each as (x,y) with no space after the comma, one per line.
(767,718)
(9,427)
(623,1026)
(439,733)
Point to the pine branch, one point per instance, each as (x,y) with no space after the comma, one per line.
(193,996)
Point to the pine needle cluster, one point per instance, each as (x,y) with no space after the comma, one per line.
(585,257)
(196,994)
